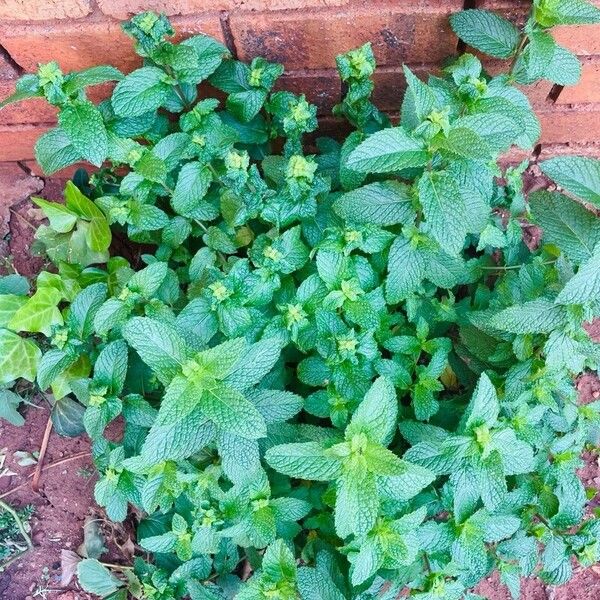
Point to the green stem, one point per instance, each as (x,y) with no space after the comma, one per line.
(507,268)
(524,41)
(9,509)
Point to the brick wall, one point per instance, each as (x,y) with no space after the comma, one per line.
(303,34)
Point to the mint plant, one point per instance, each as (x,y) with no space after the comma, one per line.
(342,372)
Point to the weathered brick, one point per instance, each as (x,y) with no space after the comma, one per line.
(209,24)
(537,92)
(7,70)
(322,88)
(38,110)
(390,84)
(78,45)
(63,174)
(516,11)
(18,141)
(123,9)
(581,39)
(588,88)
(43,10)
(577,124)
(550,150)
(312,39)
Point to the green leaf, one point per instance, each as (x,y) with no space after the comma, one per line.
(444,210)
(192,184)
(388,150)
(304,461)
(585,285)
(566,12)
(356,504)
(92,76)
(486,31)
(535,316)
(565,224)
(578,175)
(84,126)
(67,417)
(96,578)
(376,414)
(158,345)
(142,91)
(256,361)
(381,203)
(484,407)
(9,402)
(55,151)
(40,313)
(18,357)
(406,270)
(9,304)
(61,218)
(83,309)
(233,412)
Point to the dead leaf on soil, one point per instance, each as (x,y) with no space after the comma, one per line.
(93,539)
(68,564)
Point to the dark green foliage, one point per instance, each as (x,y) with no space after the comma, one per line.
(342,373)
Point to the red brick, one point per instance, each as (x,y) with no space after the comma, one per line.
(66,173)
(589,150)
(78,45)
(390,84)
(322,88)
(576,124)
(516,11)
(588,88)
(209,24)
(123,9)
(17,141)
(43,10)
(311,39)
(537,92)
(581,39)
(38,110)
(7,70)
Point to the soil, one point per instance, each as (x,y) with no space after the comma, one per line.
(65,498)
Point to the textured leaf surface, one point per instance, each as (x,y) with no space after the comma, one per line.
(486,31)
(386,151)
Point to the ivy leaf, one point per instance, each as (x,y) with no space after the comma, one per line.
(9,403)
(61,218)
(486,31)
(40,313)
